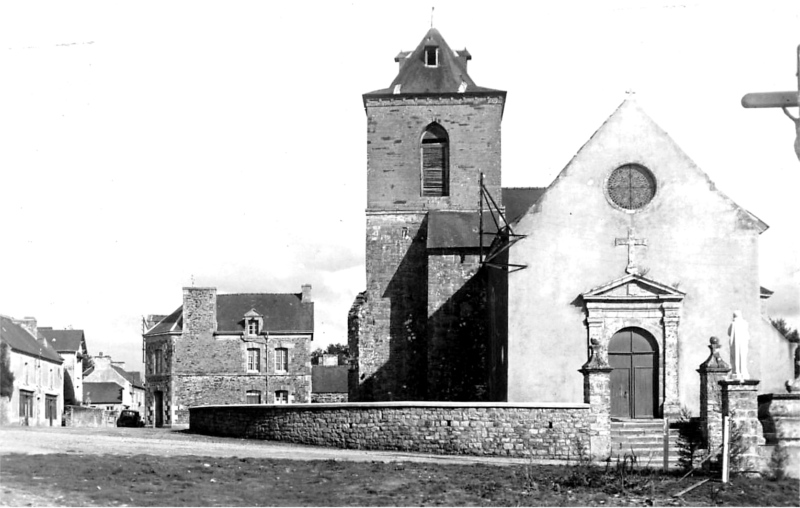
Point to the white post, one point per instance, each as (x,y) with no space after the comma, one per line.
(725,447)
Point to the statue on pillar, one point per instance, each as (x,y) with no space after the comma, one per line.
(739,333)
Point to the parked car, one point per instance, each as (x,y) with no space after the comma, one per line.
(129,418)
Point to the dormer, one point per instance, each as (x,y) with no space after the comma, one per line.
(431,56)
(253,323)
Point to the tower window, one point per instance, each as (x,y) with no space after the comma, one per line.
(431,56)
(435,154)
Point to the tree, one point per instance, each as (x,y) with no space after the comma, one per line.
(332,349)
(6,376)
(787,331)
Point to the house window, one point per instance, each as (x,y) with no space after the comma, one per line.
(435,161)
(25,404)
(159,361)
(253,397)
(252,327)
(253,360)
(281,397)
(281,359)
(431,56)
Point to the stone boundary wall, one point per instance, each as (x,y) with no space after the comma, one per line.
(543,431)
(79,416)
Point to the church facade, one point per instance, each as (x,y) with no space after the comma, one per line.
(476,292)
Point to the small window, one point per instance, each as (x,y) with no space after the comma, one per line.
(435,161)
(281,397)
(252,327)
(431,56)
(253,397)
(281,359)
(631,187)
(254,360)
(159,361)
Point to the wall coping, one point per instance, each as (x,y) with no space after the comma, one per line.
(409,404)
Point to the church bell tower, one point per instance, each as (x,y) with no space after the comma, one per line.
(430,135)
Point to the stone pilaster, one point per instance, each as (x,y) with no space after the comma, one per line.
(784,409)
(672,405)
(740,404)
(597,393)
(712,371)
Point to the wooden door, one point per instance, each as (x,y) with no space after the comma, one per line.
(633,355)
(159,409)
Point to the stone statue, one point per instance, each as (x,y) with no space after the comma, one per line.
(739,333)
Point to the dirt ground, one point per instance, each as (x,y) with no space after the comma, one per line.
(162,467)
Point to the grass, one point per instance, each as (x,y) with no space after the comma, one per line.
(144,480)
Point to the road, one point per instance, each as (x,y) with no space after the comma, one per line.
(175,442)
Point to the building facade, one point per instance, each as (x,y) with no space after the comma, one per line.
(109,386)
(228,349)
(37,391)
(632,245)
(71,346)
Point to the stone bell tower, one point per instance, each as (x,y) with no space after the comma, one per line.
(430,135)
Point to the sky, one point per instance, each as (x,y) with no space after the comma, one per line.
(149,146)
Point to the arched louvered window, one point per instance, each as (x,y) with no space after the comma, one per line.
(435,161)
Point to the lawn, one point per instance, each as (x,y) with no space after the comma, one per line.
(143,480)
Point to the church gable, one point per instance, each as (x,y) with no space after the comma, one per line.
(629,141)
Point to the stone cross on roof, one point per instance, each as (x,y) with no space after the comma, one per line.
(631,242)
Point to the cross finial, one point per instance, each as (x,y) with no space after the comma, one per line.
(432,7)
(630,241)
(192,280)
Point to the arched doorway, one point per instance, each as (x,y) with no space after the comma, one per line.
(633,354)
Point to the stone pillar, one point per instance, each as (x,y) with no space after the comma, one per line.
(712,371)
(672,404)
(784,408)
(597,393)
(740,404)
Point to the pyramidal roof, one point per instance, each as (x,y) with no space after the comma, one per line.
(447,73)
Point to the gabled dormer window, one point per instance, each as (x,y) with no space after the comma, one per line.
(431,56)
(252,323)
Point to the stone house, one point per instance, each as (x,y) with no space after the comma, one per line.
(129,393)
(37,396)
(228,349)
(71,346)
(481,293)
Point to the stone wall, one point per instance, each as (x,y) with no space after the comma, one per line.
(78,416)
(544,431)
(328,397)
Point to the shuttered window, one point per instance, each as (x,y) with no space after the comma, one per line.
(435,174)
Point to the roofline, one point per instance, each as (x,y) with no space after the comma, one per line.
(481,93)
(19,351)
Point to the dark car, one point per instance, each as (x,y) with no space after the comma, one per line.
(129,418)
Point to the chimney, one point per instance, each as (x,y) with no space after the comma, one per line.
(29,323)
(199,311)
(306,298)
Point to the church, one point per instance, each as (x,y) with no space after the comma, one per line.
(477,292)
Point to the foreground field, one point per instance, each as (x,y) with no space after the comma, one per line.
(156,467)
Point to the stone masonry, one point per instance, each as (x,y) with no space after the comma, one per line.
(544,431)
(712,371)
(740,404)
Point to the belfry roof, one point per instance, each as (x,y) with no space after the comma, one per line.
(449,75)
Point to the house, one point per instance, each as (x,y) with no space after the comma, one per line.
(228,349)
(71,346)
(481,293)
(128,394)
(36,394)
(329,380)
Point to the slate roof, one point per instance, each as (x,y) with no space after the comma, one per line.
(329,379)
(132,377)
(447,77)
(102,393)
(63,340)
(519,200)
(281,312)
(20,340)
